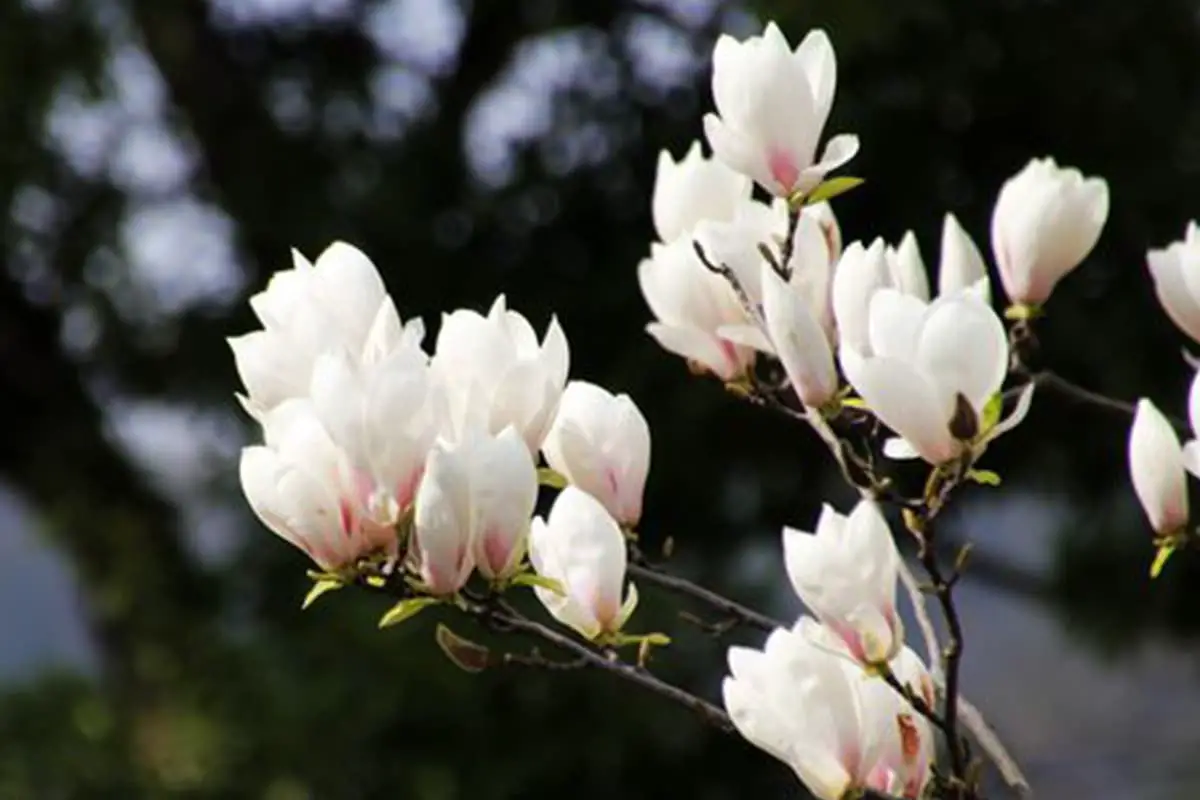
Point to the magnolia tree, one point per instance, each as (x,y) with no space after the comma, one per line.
(415,473)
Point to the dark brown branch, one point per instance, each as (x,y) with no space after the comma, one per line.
(789,245)
(1054,382)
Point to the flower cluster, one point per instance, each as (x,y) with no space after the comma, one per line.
(735,279)
(378,453)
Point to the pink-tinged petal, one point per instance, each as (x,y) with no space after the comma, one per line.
(1156,466)
(838,151)
(724,359)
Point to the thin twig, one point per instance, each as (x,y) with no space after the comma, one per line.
(973,720)
(606,660)
(681,586)
(789,243)
(1054,382)
(916,597)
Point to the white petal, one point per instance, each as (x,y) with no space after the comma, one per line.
(799,341)
(894,323)
(908,404)
(1156,466)
(964,347)
(503,494)
(962,265)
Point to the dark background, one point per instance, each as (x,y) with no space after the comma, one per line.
(158,158)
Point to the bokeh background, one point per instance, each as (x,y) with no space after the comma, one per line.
(158,158)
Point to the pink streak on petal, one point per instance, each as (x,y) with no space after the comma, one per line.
(783,169)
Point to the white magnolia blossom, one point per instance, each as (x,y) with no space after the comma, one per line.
(691,305)
(1046,220)
(962,268)
(1157,468)
(804,706)
(692,190)
(580,546)
(601,443)
(496,374)
(845,572)
(933,370)
(771,107)
(303,487)
(1176,273)
(337,303)
(473,509)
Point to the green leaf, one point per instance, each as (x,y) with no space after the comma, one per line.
(466,655)
(1022,311)
(319,588)
(548,477)
(830,189)
(984,477)
(1160,558)
(991,412)
(533,579)
(406,609)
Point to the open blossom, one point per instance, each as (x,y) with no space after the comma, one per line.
(580,546)
(932,371)
(1156,465)
(601,443)
(473,509)
(1176,273)
(691,305)
(804,706)
(845,572)
(302,487)
(771,107)
(339,302)
(1046,220)
(496,374)
(692,190)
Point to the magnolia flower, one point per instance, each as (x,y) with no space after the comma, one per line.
(1157,467)
(845,572)
(473,509)
(302,487)
(962,268)
(692,305)
(601,443)
(580,546)
(496,374)
(694,189)
(1046,221)
(772,104)
(932,373)
(803,705)
(1176,273)
(337,303)
(905,763)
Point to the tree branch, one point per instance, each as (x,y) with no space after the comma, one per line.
(685,588)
